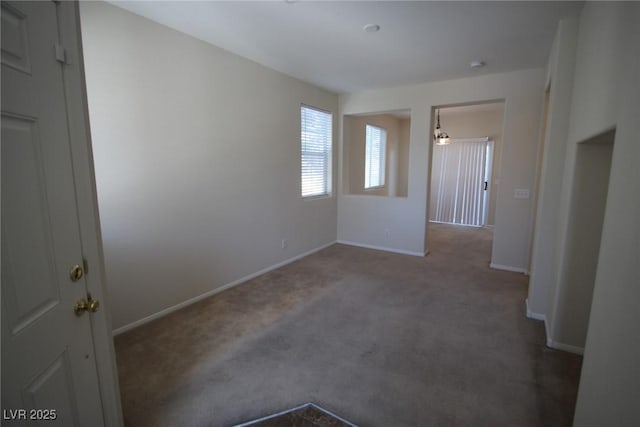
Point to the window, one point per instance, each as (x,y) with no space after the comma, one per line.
(315,139)
(376,147)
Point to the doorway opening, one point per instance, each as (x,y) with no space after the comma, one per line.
(464,174)
(460,174)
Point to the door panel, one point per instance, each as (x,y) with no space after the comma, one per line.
(47,351)
(15,40)
(28,290)
(50,389)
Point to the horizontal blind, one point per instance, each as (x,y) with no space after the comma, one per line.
(316,132)
(374,156)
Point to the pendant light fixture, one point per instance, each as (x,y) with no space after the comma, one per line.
(440,137)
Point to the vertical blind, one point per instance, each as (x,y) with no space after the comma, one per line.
(376,141)
(316,131)
(457,182)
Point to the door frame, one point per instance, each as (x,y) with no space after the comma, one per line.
(88,215)
(486,177)
(488,172)
(495,159)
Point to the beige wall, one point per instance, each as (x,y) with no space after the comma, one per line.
(197,157)
(606,93)
(544,268)
(399,224)
(585,276)
(475,125)
(397,154)
(585,109)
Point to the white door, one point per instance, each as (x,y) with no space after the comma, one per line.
(48,361)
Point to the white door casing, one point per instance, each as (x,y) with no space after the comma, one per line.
(48,353)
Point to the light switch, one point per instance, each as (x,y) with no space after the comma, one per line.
(521,193)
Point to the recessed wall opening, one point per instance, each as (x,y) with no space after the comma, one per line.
(586,216)
(376,153)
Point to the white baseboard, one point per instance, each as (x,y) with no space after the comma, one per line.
(457,225)
(382,248)
(564,347)
(547,332)
(550,342)
(212,292)
(508,268)
(533,315)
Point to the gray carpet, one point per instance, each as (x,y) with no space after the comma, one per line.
(381,339)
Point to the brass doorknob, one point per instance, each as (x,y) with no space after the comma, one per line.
(90,305)
(76,273)
(80,307)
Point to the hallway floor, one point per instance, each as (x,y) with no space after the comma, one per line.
(380,339)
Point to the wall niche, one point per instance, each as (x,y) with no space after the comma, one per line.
(376,153)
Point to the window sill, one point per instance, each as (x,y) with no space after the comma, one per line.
(318,197)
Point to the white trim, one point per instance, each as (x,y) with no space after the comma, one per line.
(382,248)
(87,205)
(551,343)
(456,224)
(547,332)
(217,290)
(532,315)
(508,268)
(565,347)
(480,139)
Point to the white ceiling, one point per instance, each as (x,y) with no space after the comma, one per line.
(322,42)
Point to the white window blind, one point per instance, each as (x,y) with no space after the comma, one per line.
(316,132)
(376,147)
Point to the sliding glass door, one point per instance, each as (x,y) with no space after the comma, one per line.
(460,175)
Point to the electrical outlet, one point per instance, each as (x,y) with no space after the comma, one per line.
(284,243)
(521,193)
